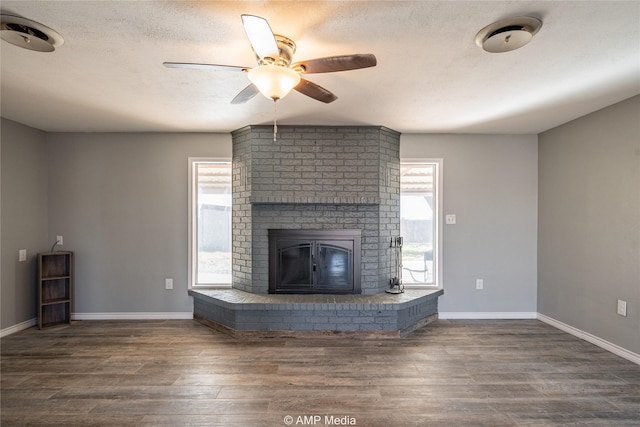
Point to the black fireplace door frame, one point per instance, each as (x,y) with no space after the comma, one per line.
(316,261)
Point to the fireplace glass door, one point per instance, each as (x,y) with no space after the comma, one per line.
(295,262)
(333,266)
(307,265)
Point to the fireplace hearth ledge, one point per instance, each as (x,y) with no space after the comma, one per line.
(244,314)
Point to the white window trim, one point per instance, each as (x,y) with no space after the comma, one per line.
(193,231)
(439,220)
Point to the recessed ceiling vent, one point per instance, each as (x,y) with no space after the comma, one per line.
(508,34)
(29,34)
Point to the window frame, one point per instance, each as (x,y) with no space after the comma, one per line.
(438,217)
(193,222)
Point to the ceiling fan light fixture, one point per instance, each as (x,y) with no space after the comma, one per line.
(508,34)
(274,81)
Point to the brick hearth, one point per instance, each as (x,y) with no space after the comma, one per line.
(378,316)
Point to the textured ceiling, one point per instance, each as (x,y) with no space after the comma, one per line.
(430,78)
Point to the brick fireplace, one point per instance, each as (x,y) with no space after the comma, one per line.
(315,178)
(315,182)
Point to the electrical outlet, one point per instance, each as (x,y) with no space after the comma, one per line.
(168,283)
(59,240)
(622,308)
(479,284)
(22,255)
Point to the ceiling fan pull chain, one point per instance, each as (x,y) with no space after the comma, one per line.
(275,124)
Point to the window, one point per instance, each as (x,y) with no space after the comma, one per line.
(210,222)
(420,192)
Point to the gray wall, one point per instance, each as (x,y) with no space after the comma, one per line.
(120,201)
(589,232)
(490,183)
(23,212)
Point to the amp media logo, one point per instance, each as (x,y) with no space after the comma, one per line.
(320,420)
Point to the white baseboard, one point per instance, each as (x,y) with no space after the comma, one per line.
(487,315)
(173,315)
(613,348)
(19,327)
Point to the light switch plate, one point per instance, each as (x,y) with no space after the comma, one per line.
(22,255)
(450,219)
(622,307)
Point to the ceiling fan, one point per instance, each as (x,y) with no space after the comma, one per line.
(275,75)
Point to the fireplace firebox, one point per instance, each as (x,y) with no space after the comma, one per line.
(314,261)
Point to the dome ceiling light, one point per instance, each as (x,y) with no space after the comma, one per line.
(508,34)
(28,34)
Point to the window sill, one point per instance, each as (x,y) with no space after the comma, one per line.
(211,286)
(421,286)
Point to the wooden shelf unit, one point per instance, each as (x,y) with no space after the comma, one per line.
(55,288)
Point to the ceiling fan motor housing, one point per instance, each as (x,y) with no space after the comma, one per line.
(286,49)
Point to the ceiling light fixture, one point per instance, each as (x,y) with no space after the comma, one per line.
(29,34)
(508,34)
(274,81)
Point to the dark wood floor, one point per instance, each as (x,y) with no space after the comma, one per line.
(451,373)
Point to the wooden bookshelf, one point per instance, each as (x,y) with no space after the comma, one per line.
(55,288)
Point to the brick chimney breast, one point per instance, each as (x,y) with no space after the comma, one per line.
(315,177)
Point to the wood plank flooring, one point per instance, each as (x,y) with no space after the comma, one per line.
(179,372)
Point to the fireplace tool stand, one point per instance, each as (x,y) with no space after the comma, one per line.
(396,286)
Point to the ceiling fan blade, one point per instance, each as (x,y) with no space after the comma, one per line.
(315,91)
(245,94)
(206,67)
(260,36)
(331,64)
